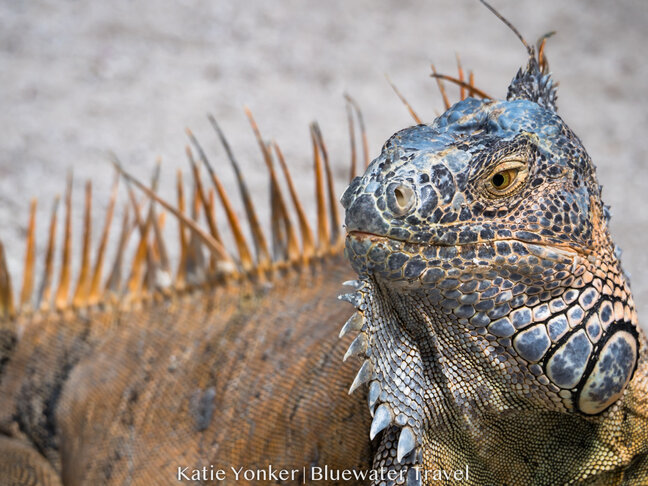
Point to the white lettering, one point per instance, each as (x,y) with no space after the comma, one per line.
(237,472)
(362,474)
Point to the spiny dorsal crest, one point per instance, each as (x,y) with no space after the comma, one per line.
(534,85)
(205,258)
(534,82)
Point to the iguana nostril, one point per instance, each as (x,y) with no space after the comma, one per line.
(400,198)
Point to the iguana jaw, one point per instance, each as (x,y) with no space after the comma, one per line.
(406,263)
(419,400)
(474,327)
(565,249)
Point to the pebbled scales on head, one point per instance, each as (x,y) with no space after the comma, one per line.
(488,280)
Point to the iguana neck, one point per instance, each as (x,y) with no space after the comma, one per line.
(486,333)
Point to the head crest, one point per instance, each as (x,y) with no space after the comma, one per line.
(533,82)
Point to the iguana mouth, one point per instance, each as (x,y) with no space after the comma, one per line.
(548,251)
(565,249)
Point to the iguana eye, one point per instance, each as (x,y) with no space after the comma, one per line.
(502,180)
(506,178)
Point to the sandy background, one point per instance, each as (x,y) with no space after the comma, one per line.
(78,79)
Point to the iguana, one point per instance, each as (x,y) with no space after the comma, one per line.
(498,330)
(497,327)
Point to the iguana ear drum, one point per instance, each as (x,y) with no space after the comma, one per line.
(595,376)
(612,370)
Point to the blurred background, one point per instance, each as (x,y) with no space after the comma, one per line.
(79,79)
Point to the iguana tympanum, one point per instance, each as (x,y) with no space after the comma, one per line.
(499,339)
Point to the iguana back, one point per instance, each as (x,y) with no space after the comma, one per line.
(230,377)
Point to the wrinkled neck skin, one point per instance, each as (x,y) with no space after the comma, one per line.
(464,340)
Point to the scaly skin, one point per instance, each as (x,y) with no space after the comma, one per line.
(500,339)
(497,326)
(241,376)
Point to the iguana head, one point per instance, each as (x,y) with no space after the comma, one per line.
(488,278)
(484,172)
